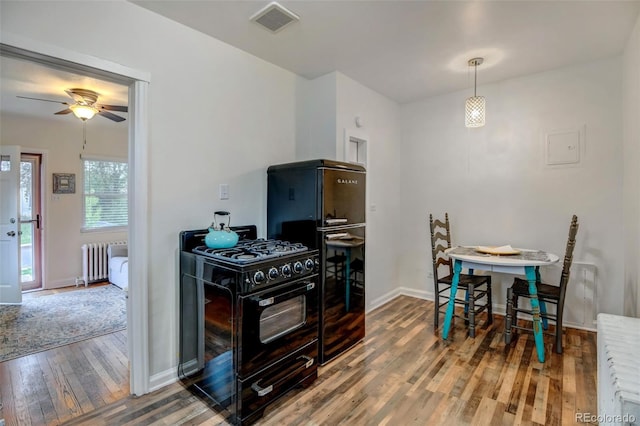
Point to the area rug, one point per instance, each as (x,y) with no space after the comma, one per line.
(46,322)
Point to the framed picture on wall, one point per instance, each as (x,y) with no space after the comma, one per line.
(64,183)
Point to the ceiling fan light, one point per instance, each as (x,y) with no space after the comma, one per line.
(83,112)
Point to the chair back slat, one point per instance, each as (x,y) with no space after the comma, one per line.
(439,249)
(442,261)
(438,223)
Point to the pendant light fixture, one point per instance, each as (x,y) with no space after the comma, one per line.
(474,111)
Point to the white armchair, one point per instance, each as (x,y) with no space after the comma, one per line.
(119,265)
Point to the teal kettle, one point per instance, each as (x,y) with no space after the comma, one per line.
(221,236)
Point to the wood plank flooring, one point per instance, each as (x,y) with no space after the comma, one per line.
(54,386)
(402,373)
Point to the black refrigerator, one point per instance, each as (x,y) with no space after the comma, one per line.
(322,204)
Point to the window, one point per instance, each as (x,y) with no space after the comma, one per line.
(105,194)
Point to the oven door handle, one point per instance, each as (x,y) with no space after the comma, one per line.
(262,391)
(308,360)
(267,301)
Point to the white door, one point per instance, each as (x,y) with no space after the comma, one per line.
(10,291)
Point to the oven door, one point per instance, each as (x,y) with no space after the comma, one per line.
(276,322)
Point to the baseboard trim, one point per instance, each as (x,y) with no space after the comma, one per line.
(66,282)
(162,379)
(400,291)
(498,309)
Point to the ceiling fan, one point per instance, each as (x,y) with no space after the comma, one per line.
(86,106)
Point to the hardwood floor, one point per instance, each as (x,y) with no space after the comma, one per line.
(51,387)
(402,373)
(54,386)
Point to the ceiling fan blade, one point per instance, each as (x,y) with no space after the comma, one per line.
(120,108)
(110,116)
(64,111)
(46,100)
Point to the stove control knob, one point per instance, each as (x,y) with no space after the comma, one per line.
(259,277)
(273,273)
(298,267)
(286,270)
(308,264)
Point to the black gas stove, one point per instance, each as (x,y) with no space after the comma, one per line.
(249,321)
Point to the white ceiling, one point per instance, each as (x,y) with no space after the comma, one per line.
(409,50)
(405,50)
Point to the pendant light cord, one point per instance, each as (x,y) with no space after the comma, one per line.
(475,79)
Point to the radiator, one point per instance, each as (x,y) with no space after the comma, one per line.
(95,262)
(618,370)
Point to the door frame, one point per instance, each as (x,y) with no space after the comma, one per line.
(138,83)
(43,153)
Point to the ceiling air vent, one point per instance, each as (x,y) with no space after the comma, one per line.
(275,17)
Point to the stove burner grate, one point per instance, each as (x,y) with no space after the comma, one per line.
(248,251)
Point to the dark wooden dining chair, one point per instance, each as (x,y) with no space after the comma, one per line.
(547,293)
(476,287)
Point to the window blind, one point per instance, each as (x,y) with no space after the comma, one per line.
(105,194)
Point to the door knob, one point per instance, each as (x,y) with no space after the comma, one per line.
(11,233)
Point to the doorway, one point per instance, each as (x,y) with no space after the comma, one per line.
(138,83)
(30,214)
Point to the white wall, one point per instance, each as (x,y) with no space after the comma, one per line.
(493,182)
(62,139)
(326,107)
(316,117)
(217,115)
(631,184)
(381,125)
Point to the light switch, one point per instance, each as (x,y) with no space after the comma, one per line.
(224,191)
(563,148)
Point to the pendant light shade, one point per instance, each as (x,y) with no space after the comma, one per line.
(474,111)
(475,106)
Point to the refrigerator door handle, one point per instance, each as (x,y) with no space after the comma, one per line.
(336,236)
(336,221)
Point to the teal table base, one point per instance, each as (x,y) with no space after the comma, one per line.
(457,268)
(530,272)
(535,309)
